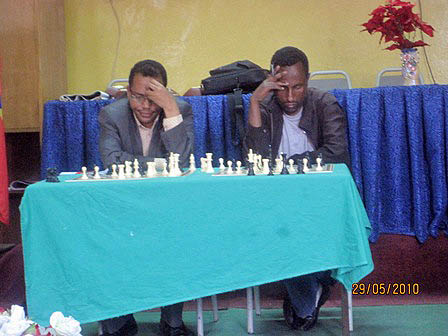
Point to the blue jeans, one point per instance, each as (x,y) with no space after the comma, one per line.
(302,291)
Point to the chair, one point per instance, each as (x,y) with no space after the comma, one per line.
(329,80)
(384,77)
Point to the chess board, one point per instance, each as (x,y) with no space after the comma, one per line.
(104,177)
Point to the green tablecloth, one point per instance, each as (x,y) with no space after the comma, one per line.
(95,250)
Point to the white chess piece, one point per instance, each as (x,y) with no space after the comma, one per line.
(97,173)
(229,168)
(203,164)
(151,171)
(291,169)
(278,165)
(164,171)
(114,171)
(250,155)
(136,169)
(222,168)
(176,164)
(265,166)
(319,164)
(84,173)
(192,163)
(238,168)
(121,174)
(128,168)
(209,169)
(305,165)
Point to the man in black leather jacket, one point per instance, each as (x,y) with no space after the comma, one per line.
(285,116)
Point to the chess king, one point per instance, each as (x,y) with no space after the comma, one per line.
(286,116)
(148,123)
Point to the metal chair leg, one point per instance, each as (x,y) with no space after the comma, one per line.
(350,310)
(250,310)
(200,319)
(215,308)
(257,300)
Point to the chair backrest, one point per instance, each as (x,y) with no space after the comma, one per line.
(320,80)
(119,80)
(392,77)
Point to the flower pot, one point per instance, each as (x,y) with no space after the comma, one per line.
(409,66)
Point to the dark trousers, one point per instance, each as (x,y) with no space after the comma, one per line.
(170,314)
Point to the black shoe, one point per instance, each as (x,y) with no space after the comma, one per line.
(167,330)
(291,318)
(128,329)
(309,322)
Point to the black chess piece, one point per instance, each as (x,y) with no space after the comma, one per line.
(250,170)
(271,171)
(285,168)
(234,165)
(52,175)
(299,166)
(308,156)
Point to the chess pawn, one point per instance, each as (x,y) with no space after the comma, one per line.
(265,166)
(97,173)
(84,173)
(250,170)
(229,167)
(319,164)
(114,171)
(151,171)
(192,163)
(291,166)
(305,165)
(222,168)
(121,174)
(250,155)
(176,164)
(299,167)
(238,168)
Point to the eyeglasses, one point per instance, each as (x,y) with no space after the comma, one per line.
(140,99)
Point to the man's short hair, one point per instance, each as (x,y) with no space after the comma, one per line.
(149,68)
(288,56)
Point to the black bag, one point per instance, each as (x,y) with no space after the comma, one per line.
(234,80)
(244,75)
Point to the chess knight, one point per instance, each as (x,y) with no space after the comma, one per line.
(148,123)
(286,116)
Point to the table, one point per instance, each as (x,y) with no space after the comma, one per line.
(398,141)
(95,250)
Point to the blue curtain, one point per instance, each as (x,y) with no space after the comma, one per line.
(398,144)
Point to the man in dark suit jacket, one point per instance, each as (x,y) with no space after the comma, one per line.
(149,123)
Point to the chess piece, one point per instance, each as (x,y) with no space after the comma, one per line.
(271,170)
(305,165)
(176,164)
(151,171)
(284,167)
(52,175)
(97,173)
(291,169)
(278,165)
(121,174)
(203,164)
(114,171)
(266,166)
(319,164)
(308,157)
(128,168)
(209,159)
(250,156)
(229,167)
(299,167)
(222,168)
(164,171)
(238,168)
(84,173)
(136,169)
(192,163)
(250,170)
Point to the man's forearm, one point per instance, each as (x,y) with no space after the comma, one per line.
(254,113)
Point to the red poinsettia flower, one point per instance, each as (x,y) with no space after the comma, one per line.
(396,23)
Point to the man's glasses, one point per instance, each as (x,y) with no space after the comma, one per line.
(140,99)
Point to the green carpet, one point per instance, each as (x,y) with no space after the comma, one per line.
(373,320)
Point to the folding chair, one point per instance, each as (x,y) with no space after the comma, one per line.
(329,80)
(392,77)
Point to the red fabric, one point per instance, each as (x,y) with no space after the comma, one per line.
(4,196)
